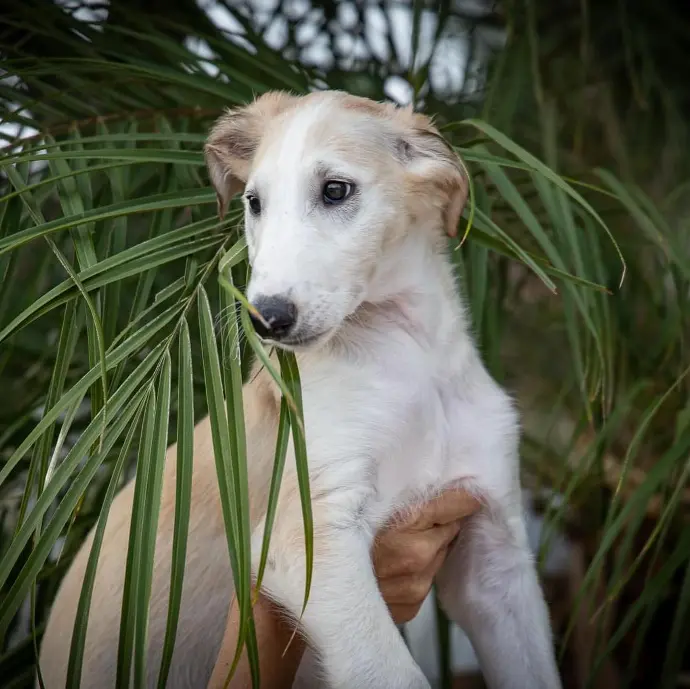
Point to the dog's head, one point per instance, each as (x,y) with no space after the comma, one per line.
(330,183)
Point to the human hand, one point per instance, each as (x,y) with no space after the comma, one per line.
(410,550)
(407,554)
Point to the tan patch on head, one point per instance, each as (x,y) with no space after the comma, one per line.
(362,105)
(233,141)
(436,177)
(443,189)
(403,117)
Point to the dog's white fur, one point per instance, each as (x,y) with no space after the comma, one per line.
(397,406)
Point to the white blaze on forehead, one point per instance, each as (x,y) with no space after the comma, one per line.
(293,140)
(315,256)
(285,249)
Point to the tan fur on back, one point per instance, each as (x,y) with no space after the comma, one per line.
(207,574)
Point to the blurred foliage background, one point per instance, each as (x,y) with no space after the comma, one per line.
(573,118)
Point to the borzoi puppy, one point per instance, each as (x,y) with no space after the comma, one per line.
(347,206)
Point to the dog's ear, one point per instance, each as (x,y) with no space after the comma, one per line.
(233,141)
(435,170)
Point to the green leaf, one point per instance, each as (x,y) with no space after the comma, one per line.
(290,374)
(81,621)
(183,497)
(78,390)
(95,329)
(123,396)
(238,468)
(536,165)
(150,516)
(130,643)
(152,203)
(223,451)
(23,582)
(274,489)
(38,468)
(107,272)
(678,639)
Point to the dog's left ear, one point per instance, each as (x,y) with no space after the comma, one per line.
(435,170)
(233,141)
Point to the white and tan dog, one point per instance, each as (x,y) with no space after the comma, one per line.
(348,203)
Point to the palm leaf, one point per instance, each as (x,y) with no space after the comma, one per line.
(108,244)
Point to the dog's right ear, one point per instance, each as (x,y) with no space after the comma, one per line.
(233,141)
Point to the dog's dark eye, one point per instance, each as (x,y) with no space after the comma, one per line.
(336,192)
(254,204)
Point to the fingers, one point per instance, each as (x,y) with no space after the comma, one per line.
(411,589)
(445,535)
(410,552)
(404,595)
(402,614)
(407,554)
(449,506)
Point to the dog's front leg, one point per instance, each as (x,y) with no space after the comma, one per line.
(489,586)
(346,620)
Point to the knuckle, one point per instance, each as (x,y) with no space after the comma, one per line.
(419,589)
(418,561)
(428,554)
(421,556)
(409,563)
(406,566)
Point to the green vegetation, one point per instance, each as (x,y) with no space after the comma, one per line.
(576,269)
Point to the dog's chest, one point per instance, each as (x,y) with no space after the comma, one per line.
(388,430)
(422,456)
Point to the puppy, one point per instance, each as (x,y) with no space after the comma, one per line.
(347,206)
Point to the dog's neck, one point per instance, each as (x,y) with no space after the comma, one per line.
(414,288)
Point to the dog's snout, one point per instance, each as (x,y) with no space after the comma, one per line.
(279,316)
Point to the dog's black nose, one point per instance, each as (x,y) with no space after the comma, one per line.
(279,314)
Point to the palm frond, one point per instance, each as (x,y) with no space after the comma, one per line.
(114,271)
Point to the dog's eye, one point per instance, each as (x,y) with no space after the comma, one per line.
(336,192)
(254,204)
